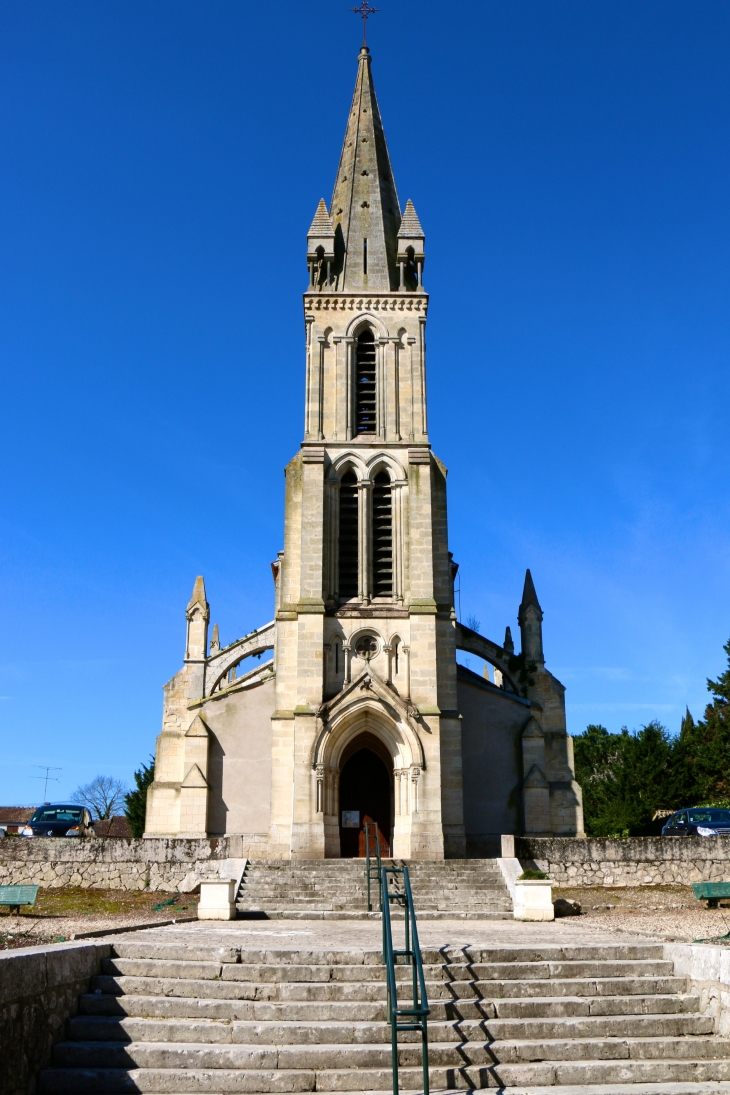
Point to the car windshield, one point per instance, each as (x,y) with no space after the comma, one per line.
(710,817)
(44,815)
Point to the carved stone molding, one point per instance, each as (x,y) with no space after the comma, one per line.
(336,303)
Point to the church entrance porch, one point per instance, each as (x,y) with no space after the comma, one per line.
(366,794)
(368,763)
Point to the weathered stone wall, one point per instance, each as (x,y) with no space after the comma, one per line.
(167,864)
(708,970)
(636,861)
(39,991)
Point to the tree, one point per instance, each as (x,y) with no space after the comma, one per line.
(103,796)
(625,778)
(136,801)
(713,740)
(473,623)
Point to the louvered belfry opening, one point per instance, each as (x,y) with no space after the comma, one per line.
(348,537)
(382,536)
(365,420)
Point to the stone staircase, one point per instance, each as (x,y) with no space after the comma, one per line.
(186,1013)
(337,889)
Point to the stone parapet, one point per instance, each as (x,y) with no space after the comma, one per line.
(167,864)
(635,861)
(39,991)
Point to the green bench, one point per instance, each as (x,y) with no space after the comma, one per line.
(711,892)
(15,896)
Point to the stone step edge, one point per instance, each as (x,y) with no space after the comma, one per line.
(413,1070)
(385,1047)
(331,914)
(687,1087)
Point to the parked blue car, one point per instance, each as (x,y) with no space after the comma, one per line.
(698,821)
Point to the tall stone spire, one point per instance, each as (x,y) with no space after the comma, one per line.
(365,212)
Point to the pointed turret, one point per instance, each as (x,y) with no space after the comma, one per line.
(215,642)
(508,644)
(411,245)
(365,212)
(529,617)
(320,248)
(197,614)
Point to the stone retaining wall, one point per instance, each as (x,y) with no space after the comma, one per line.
(636,861)
(170,864)
(708,970)
(165,864)
(39,991)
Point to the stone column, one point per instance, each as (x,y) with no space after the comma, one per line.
(349,384)
(423,412)
(364,551)
(309,326)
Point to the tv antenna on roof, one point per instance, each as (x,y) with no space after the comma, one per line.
(47,778)
(365,10)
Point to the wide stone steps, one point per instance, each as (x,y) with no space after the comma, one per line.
(473,888)
(177,1018)
(171,1007)
(594,990)
(588,1076)
(287,1031)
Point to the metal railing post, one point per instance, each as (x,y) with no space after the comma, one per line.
(404,1018)
(369,826)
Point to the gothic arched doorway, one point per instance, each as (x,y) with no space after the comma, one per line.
(365,795)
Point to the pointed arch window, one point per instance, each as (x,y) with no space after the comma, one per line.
(365,384)
(382,536)
(348,538)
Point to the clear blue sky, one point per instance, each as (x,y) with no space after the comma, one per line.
(162,160)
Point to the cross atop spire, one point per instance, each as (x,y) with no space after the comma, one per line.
(365,10)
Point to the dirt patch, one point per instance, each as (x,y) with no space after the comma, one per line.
(671,911)
(62,914)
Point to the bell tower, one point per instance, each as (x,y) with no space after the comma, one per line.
(365,647)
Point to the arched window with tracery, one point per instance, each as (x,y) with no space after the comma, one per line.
(348,539)
(365,383)
(382,536)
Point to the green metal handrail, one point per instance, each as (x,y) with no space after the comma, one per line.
(373,871)
(404,1018)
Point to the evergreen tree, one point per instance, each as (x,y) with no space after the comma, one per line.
(625,778)
(684,783)
(713,754)
(136,801)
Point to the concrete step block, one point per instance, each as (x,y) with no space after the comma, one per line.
(146,967)
(174,952)
(113,1081)
(555,1006)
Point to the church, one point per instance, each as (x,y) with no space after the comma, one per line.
(350,706)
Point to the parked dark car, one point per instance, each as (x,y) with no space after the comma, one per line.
(698,821)
(56,819)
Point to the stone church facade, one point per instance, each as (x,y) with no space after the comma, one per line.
(350,705)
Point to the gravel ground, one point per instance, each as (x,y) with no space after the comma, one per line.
(63,914)
(669,911)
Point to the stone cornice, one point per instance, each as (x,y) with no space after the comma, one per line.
(373,302)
